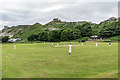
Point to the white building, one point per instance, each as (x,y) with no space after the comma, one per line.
(14,40)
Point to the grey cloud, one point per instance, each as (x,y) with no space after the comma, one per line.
(30,12)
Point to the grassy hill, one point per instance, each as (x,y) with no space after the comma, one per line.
(35,28)
(24,31)
(21,31)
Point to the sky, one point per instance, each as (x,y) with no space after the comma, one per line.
(27,12)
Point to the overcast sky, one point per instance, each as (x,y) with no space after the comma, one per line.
(22,12)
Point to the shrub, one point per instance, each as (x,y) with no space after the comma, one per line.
(115,38)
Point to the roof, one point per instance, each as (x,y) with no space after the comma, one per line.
(94,36)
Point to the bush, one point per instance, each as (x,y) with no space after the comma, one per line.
(115,38)
(84,39)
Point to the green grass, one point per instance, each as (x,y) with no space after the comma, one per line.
(43,61)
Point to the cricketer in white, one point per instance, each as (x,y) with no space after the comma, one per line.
(70,48)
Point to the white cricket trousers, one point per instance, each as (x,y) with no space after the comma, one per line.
(70,50)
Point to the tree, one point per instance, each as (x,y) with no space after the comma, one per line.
(54,36)
(43,36)
(64,35)
(109,29)
(85,29)
(33,37)
(76,33)
(105,33)
(67,35)
(5,39)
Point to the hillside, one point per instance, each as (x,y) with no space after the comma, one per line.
(56,23)
(24,31)
(21,31)
(34,29)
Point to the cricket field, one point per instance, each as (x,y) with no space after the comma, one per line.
(41,60)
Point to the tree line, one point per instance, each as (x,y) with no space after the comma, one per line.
(56,35)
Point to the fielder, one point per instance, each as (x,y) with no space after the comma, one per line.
(82,44)
(14,46)
(109,43)
(57,44)
(52,44)
(96,45)
(70,48)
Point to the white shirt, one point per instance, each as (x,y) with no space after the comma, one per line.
(70,47)
(96,44)
(14,46)
(82,43)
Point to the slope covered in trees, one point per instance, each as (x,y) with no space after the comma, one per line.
(58,30)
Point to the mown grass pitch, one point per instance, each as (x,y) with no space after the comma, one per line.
(41,60)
